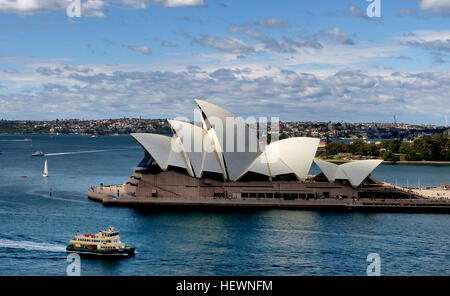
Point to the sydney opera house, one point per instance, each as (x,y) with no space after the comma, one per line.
(222,160)
(225,162)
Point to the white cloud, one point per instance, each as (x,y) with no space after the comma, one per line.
(226,44)
(359,13)
(96,91)
(144,49)
(437,7)
(281,45)
(168,44)
(339,36)
(136,4)
(90,8)
(183,3)
(428,39)
(271,23)
(93,8)
(31,7)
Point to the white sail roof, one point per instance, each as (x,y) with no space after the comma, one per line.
(227,145)
(278,168)
(198,146)
(298,154)
(164,150)
(238,143)
(340,174)
(329,169)
(355,172)
(261,165)
(213,161)
(176,159)
(269,166)
(358,170)
(178,156)
(293,155)
(191,137)
(158,146)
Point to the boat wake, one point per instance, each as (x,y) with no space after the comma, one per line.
(29,245)
(82,152)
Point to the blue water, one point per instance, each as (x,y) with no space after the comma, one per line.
(34,228)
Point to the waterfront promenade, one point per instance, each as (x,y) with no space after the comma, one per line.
(115,195)
(432,192)
(435,193)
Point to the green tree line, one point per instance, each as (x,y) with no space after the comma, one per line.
(431,148)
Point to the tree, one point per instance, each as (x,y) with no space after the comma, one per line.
(389,156)
(405,148)
(394,145)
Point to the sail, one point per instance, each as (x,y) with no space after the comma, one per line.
(45,169)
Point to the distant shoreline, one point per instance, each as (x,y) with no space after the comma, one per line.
(62,134)
(329,160)
(395,162)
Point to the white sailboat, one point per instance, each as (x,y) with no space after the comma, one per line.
(45,174)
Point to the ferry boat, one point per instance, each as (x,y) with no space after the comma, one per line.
(105,242)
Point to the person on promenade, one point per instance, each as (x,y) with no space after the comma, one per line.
(118,193)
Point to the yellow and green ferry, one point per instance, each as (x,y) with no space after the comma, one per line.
(105,242)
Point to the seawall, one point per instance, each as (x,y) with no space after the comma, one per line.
(346,205)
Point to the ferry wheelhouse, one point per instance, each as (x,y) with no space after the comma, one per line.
(105,242)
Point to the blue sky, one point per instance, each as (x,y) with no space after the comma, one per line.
(299,60)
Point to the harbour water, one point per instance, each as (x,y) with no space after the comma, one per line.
(35,228)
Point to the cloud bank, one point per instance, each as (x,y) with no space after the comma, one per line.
(89,8)
(90,91)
